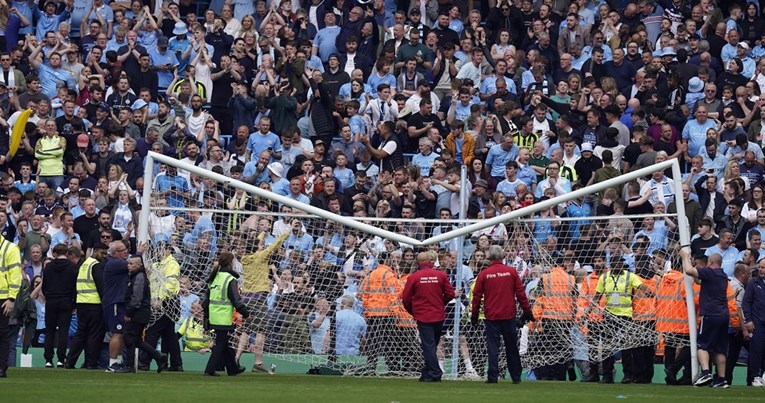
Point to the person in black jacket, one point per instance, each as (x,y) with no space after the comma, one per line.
(60,290)
(137,316)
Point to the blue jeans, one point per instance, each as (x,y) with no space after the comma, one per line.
(507,331)
(53,181)
(430,335)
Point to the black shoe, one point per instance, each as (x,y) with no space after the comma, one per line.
(593,379)
(91,367)
(491,381)
(607,380)
(3,374)
(431,380)
(627,380)
(67,365)
(143,368)
(671,378)
(175,369)
(516,382)
(161,363)
(125,370)
(641,381)
(212,374)
(238,371)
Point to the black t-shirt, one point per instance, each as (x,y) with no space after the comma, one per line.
(84,226)
(419,121)
(631,153)
(713,299)
(699,245)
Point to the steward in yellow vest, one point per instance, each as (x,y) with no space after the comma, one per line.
(90,315)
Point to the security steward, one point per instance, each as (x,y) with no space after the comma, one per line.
(644,314)
(557,302)
(672,325)
(426,293)
(10,283)
(594,327)
(378,295)
(499,288)
(753,306)
(618,287)
(90,317)
(192,329)
(164,326)
(221,298)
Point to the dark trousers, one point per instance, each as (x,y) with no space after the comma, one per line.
(735,342)
(133,337)
(757,350)
(163,328)
(89,335)
(58,317)
(677,357)
(642,358)
(555,339)
(507,331)
(222,355)
(379,342)
(3,339)
(430,335)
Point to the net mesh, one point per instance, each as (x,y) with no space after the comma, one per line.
(318,294)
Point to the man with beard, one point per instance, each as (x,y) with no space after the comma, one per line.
(50,74)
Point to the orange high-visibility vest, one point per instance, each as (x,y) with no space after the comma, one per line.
(735,322)
(378,291)
(558,299)
(403,318)
(643,306)
(586,293)
(671,310)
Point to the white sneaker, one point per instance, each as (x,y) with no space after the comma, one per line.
(472,375)
(59,365)
(48,364)
(757,382)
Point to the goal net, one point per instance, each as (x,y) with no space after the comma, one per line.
(324,290)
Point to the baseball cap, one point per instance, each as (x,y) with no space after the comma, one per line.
(319,142)
(163,42)
(415,11)
(743,45)
(482,183)
(586,147)
(83,140)
(104,107)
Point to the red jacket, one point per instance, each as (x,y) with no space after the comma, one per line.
(426,293)
(496,285)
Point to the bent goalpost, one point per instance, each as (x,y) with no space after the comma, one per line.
(310,330)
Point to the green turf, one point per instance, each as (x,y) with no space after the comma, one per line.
(59,385)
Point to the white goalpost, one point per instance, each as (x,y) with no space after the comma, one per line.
(317,306)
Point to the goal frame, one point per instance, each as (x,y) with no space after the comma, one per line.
(674,165)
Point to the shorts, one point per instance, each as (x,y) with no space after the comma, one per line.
(257,305)
(114,317)
(713,334)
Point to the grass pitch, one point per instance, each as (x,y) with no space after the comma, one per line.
(58,385)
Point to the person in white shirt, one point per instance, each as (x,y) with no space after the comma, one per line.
(472,70)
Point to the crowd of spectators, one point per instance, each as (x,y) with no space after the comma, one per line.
(369,109)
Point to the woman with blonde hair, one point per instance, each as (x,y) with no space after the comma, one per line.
(608,84)
(733,171)
(248,26)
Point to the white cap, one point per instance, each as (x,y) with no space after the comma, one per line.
(276,168)
(586,147)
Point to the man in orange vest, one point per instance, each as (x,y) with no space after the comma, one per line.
(644,314)
(557,300)
(594,327)
(378,295)
(672,324)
